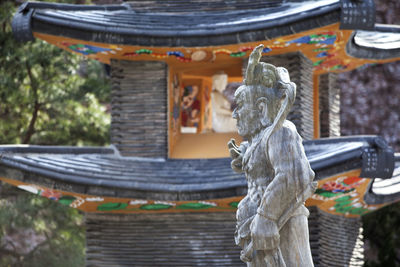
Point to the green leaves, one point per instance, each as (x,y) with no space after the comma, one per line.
(36,231)
(49,96)
(382,232)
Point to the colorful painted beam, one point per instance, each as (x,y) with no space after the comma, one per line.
(104,182)
(345,194)
(311,27)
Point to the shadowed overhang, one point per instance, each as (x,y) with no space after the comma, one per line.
(101,171)
(126,25)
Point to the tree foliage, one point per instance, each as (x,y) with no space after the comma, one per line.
(37,232)
(47,95)
(382,233)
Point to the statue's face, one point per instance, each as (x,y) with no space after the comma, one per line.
(245,113)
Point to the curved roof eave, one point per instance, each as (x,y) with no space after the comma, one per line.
(105,173)
(375,45)
(195,29)
(385,190)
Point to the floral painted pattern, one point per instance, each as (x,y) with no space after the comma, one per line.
(342,196)
(85,49)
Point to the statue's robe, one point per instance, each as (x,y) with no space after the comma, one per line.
(277,172)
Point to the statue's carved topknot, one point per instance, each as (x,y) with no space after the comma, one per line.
(273,83)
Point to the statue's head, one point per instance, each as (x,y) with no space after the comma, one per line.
(265,98)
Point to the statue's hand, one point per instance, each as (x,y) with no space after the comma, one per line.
(264,233)
(236,165)
(234,150)
(236,156)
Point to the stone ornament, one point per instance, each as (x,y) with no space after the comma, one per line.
(272,227)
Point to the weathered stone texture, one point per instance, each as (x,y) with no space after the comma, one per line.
(300,70)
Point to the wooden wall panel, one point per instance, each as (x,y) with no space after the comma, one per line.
(139,108)
(200,239)
(335,241)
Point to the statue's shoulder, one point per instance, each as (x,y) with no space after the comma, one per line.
(286,133)
(284,140)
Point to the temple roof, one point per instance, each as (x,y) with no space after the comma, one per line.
(375,44)
(199,26)
(385,190)
(101,171)
(178,32)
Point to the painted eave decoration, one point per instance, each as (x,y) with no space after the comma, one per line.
(99,180)
(333,34)
(122,32)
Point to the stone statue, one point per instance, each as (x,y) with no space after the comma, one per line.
(272,226)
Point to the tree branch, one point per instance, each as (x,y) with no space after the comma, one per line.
(36,107)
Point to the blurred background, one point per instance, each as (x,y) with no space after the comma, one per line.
(51,97)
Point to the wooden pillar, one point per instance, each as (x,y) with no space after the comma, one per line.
(336,241)
(188,239)
(301,73)
(139,108)
(329,99)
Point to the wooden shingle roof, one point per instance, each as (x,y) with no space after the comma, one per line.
(103,171)
(191,28)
